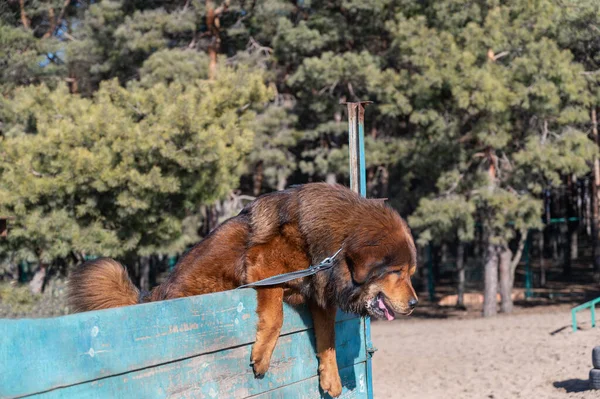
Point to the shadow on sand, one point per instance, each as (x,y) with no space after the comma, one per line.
(573,385)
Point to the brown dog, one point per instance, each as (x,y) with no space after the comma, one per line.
(278,233)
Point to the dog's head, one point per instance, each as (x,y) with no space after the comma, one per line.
(380,262)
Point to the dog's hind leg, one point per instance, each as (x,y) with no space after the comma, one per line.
(324,322)
(270,320)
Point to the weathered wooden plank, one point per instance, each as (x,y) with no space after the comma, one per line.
(71,349)
(353,381)
(227,373)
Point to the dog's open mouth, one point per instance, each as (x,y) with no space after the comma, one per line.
(380,309)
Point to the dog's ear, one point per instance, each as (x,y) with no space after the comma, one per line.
(361,263)
(367,261)
(372,248)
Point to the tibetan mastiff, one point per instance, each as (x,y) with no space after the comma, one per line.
(278,233)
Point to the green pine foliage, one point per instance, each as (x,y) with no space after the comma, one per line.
(120,172)
(115,134)
(492,87)
(24,60)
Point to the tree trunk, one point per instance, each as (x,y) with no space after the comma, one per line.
(554,237)
(490,281)
(385,182)
(573,226)
(72,83)
(52,20)
(428,272)
(460,267)
(371,180)
(444,255)
(574,242)
(477,244)
(516,257)
(24,18)
(257,179)
(14,272)
(215,39)
(145,273)
(596,202)
(214,216)
(228,207)
(210,219)
(213,25)
(542,260)
(331,178)
(154,266)
(36,286)
(506,280)
(566,248)
(587,207)
(281,180)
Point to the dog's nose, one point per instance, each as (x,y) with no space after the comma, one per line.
(413,302)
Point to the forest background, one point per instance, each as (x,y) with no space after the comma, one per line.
(130,129)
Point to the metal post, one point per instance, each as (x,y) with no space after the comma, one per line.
(361,150)
(356,146)
(353,147)
(172,263)
(358,184)
(430,276)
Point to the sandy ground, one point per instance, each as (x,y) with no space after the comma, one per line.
(531,354)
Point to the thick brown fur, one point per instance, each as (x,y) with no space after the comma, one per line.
(278,233)
(101,284)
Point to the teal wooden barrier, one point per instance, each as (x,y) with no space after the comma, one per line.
(591,305)
(196,347)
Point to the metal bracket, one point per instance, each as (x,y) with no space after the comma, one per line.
(371,350)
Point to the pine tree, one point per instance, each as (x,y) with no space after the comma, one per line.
(578,32)
(118,174)
(491,85)
(479,106)
(29,52)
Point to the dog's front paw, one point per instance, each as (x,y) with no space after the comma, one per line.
(260,365)
(330,381)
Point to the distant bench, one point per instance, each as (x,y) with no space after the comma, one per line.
(196,347)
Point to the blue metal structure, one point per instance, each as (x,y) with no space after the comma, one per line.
(358,183)
(591,305)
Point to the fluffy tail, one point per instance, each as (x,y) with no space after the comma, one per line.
(101,284)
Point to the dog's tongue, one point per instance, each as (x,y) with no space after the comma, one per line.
(385,309)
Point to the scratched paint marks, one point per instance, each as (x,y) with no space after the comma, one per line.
(92,352)
(183,328)
(143,338)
